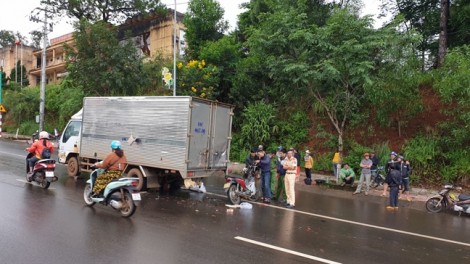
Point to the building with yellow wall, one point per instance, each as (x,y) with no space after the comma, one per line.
(152,35)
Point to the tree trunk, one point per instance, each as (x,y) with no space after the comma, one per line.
(443,32)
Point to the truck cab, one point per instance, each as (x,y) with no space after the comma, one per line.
(69,145)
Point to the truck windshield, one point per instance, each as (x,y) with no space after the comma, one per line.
(73,129)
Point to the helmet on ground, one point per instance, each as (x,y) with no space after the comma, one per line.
(115,144)
(43,134)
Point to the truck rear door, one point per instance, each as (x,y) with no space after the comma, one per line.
(199,133)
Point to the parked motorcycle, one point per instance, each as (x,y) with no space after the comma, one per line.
(121,194)
(448,199)
(379,178)
(238,188)
(43,172)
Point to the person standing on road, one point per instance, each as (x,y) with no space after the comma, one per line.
(308,161)
(281,190)
(346,175)
(290,165)
(405,170)
(336,160)
(250,160)
(375,164)
(365,164)
(390,164)
(265,166)
(394,181)
(297,171)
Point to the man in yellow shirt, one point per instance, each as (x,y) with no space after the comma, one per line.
(336,160)
(308,167)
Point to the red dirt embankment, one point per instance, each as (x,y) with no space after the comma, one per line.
(372,133)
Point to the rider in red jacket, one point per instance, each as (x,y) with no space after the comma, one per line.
(37,148)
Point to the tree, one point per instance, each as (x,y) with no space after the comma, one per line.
(443,21)
(196,78)
(109,68)
(36,38)
(459,21)
(397,79)
(204,22)
(108,11)
(18,76)
(225,53)
(332,63)
(423,17)
(7,38)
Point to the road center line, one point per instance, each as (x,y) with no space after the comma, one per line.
(286,250)
(361,224)
(11,154)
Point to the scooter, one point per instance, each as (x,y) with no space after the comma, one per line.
(43,172)
(121,194)
(238,188)
(448,199)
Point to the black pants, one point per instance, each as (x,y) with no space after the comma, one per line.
(394,196)
(308,173)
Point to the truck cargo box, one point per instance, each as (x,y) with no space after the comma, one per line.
(185,134)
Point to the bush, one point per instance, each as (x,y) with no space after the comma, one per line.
(422,152)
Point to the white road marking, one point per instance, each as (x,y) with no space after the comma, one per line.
(361,224)
(286,250)
(11,154)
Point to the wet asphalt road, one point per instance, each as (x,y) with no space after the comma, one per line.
(54,226)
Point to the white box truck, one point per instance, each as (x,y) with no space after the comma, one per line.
(167,140)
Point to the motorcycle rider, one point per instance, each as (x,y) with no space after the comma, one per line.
(114,164)
(37,148)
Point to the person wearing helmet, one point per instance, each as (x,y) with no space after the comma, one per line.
(114,164)
(41,149)
(391,165)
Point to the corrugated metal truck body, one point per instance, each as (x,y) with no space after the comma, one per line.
(184,134)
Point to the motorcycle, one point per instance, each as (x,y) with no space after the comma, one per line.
(238,188)
(448,199)
(121,194)
(43,172)
(379,178)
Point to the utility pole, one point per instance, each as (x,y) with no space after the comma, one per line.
(174,51)
(42,93)
(42,96)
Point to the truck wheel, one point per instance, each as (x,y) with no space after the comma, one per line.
(136,173)
(72,167)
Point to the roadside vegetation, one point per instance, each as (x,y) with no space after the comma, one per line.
(306,74)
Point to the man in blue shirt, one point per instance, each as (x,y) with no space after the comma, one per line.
(265,166)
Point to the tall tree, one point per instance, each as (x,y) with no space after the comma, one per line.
(459,21)
(110,67)
(204,22)
(423,17)
(443,21)
(19,78)
(115,11)
(332,64)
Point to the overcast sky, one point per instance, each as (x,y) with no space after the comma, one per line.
(15,14)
